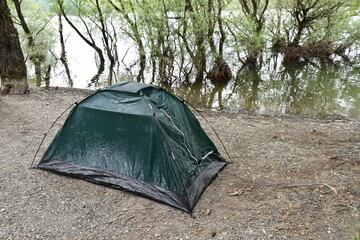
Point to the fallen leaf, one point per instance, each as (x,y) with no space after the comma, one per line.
(235,193)
(208,211)
(286,215)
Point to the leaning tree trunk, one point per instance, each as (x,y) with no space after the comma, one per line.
(12,64)
(63,55)
(35,57)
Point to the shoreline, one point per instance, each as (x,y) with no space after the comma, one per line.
(290,177)
(225,111)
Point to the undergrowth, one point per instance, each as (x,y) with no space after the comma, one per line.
(357,234)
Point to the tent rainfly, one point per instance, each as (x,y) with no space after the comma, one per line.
(138,138)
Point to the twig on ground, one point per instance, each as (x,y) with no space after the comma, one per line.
(349,206)
(286,176)
(341,163)
(131,217)
(311,185)
(333,170)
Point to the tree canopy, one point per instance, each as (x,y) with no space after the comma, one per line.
(184,41)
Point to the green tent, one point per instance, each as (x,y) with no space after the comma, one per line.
(139,138)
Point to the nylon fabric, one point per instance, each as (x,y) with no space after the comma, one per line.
(140,138)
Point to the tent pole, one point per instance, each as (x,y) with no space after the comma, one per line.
(37,151)
(217,135)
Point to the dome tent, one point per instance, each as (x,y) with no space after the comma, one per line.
(140,138)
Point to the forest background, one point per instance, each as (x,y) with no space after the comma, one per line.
(186,45)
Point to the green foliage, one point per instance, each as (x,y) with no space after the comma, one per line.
(246,24)
(336,28)
(357,234)
(39,19)
(184,32)
(321,20)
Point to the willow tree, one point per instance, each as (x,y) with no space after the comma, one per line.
(246,24)
(160,30)
(12,64)
(36,33)
(132,28)
(35,56)
(220,73)
(103,19)
(193,32)
(63,54)
(84,27)
(314,28)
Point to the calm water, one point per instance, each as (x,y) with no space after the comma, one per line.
(322,88)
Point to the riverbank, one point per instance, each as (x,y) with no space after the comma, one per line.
(290,178)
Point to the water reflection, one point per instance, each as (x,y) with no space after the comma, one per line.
(321,88)
(248,80)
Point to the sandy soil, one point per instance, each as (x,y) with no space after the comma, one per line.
(290,178)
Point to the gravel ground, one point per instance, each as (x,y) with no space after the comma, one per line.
(290,178)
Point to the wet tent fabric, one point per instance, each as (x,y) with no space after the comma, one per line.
(139,138)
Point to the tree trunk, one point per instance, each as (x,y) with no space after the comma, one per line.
(38,72)
(90,41)
(35,57)
(140,77)
(133,24)
(107,40)
(47,78)
(12,64)
(301,27)
(63,56)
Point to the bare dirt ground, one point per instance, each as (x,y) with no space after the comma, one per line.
(290,178)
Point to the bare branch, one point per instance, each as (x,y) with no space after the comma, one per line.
(311,185)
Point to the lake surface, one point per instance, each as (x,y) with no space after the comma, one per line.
(321,88)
